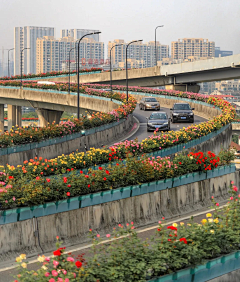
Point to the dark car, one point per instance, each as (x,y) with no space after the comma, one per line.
(182,112)
(158,120)
(149,103)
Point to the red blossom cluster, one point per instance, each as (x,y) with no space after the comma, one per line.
(209,161)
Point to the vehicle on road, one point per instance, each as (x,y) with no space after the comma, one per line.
(149,103)
(158,120)
(181,112)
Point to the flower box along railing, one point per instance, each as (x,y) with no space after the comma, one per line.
(58,140)
(24,213)
(201,273)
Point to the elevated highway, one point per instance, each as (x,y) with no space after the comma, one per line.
(184,76)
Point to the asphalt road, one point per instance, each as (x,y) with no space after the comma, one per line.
(142,131)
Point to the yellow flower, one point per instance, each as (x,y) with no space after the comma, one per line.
(210,220)
(175,224)
(203,221)
(22,256)
(212,231)
(44,267)
(18,259)
(24,265)
(208,215)
(216,220)
(41,258)
(181,223)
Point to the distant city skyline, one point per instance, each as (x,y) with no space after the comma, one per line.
(216,20)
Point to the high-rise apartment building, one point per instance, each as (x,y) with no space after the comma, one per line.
(53,54)
(25,37)
(138,51)
(78,33)
(197,47)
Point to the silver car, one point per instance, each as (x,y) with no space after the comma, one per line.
(149,103)
(158,120)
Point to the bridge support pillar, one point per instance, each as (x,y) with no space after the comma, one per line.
(19,116)
(184,87)
(48,116)
(11,116)
(1,118)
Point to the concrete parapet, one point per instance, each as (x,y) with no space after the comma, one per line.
(72,227)
(1,118)
(48,116)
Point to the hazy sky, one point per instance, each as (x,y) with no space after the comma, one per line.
(217,20)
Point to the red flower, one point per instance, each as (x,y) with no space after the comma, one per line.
(89,186)
(107,172)
(65,179)
(10,177)
(81,171)
(68,194)
(57,253)
(78,264)
(48,180)
(183,240)
(180,163)
(41,173)
(37,178)
(172,228)
(104,178)
(100,168)
(69,185)
(86,176)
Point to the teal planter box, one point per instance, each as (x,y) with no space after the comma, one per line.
(96,198)
(139,189)
(106,196)
(9,216)
(212,173)
(232,168)
(35,145)
(37,211)
(3,151)
(126,192)
(74,203)
(116,194)
(85,201)
(164,184)
(62,205)
(151,187)
(50,208)
(24,213)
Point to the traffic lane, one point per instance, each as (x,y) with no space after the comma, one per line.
(142,133)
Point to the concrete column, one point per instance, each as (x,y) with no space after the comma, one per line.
(19,116)
(11,116)
(1,119)
(48,116)
(183,87)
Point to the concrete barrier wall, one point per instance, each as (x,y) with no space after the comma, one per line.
(94,140)
(72,227)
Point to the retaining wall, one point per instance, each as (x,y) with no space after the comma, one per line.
(73,226)
(95,138)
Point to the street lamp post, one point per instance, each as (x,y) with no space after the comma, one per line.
(111,64)
(8,61)
(78,102)
(156,43)
(69,69)
(126,63)
(21,63)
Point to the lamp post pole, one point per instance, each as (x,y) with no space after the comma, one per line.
(78,102)
(21,63)
(126,63)
(69,69)
(156,43)
(111,65)
(8,61)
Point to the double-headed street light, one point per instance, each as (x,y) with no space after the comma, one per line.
(69,69)
(21,62)
(111,64)
(97,32)
(8,61)
(156,42)
(126,63)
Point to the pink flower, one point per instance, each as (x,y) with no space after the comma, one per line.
(127,224)
(47,259)
(56,263)
(60,279)
(51,280)
(212,197)
(231,198)
(54,273)
(98,235)
(6,201)
(159,222)
(108,235)
(132,222)
(14,199)
(70,259)
(66,280)
(74,275)
(232,182)
(47,274)
(64,271)
(217,204)
(235,188)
